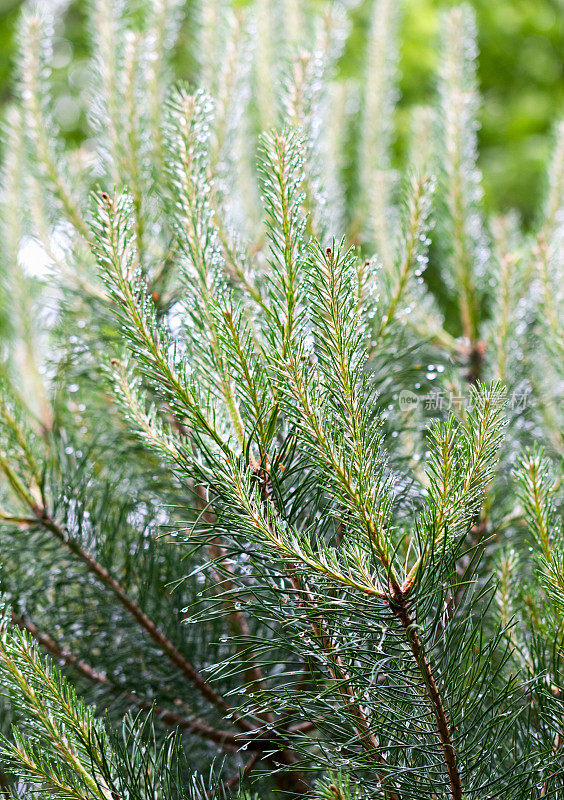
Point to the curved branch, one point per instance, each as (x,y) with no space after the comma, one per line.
(42,517)
(194,724)
(293,779)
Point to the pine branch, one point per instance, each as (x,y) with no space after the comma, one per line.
(108,26)
(41,517)
(294,779)
(413,255)
(149,343)
(352,459)
(193,724)
(234,386)
(280,178)
(197,233)
(15,285)
(505,236)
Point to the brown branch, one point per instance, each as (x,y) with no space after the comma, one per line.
(146,623)
(227,740)
(194,724)
(302,727)
(293,780)
(476,358)
(399,606)
(557,741)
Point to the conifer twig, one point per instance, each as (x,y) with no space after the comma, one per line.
(194,724)
(293,780)
(42,518)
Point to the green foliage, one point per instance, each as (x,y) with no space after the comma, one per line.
(519,73)
(263,486)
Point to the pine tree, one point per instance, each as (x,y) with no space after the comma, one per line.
(275,516)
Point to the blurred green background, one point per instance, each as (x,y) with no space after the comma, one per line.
(521,76)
